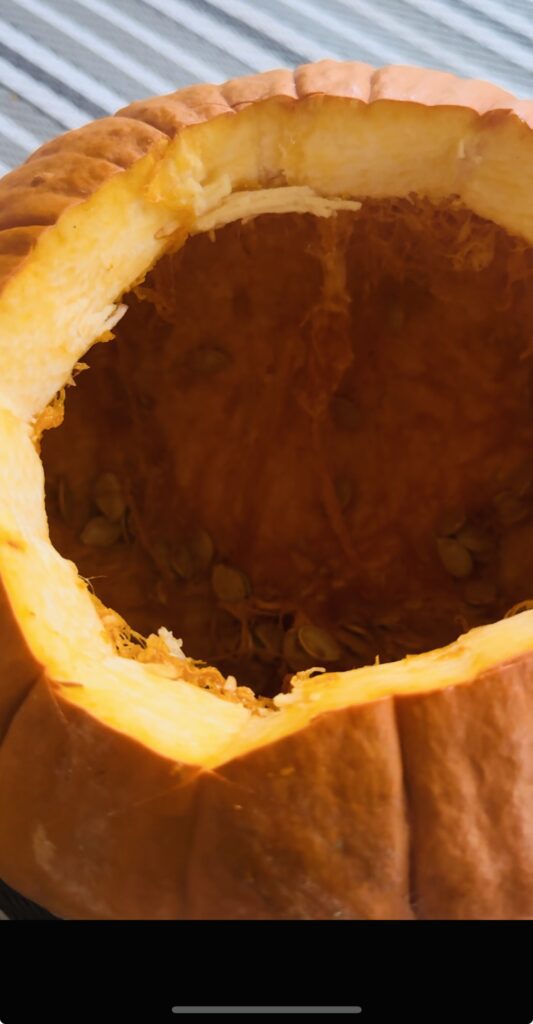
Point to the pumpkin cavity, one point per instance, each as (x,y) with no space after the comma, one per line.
(309,446)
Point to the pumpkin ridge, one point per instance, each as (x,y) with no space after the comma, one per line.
(413,895)
(334,78)
(451,845)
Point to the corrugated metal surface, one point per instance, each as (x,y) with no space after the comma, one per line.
(64,62)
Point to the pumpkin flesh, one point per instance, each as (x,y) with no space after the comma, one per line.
(316,400)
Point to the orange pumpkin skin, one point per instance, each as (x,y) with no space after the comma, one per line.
(401,805)
(102,829)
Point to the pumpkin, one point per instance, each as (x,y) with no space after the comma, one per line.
(266,644)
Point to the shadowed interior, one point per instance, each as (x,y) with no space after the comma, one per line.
(310,442)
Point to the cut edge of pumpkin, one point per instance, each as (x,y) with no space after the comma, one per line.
(63,630)
(266,157)
(66,294)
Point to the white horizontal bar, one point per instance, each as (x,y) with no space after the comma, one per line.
(266,1009)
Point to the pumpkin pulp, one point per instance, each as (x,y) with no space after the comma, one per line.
(318,435)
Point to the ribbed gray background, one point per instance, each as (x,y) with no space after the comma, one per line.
(64,62)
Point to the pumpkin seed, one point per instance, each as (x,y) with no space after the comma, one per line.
(319,643)
(474,539)
(357,631)
(207,360)
(269,603)
(455,558)
(344,491)
(74,506)
(194,555)
(510,509)
(229,584)
(108,497)
(128,526)
(480,592)
(293,652)
(99,532)
(268,635)
(517,609)
(451,521)
(182,562)
(356,639)
(344,413)
(160,552)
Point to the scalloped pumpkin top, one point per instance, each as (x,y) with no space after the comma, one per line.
(71,167)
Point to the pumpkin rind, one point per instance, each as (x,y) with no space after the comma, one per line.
(407,800)
(277,833)
(119,143)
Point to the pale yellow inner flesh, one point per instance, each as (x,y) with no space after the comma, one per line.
(309,444)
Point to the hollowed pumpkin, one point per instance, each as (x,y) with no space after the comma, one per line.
(301,440)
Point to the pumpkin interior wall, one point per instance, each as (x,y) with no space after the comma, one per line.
(344,407)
